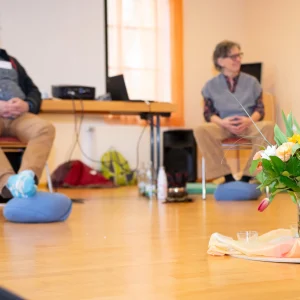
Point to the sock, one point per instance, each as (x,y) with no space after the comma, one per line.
(22,185)
(229,178)
(245,178)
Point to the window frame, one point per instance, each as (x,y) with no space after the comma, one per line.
(177,84)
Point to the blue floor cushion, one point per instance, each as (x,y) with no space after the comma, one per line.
(237,190)
(43,207)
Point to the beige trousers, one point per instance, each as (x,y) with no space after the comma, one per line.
(39,136)
(209,137)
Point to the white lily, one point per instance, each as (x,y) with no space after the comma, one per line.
(270,151)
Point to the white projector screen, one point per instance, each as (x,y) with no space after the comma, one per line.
(58,42)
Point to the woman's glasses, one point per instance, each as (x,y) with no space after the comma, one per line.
(235,56)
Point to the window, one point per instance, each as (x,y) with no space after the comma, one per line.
(140,46)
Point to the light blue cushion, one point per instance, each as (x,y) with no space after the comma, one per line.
(43,207)
(237,190)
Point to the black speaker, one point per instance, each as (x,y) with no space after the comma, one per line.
(180,153)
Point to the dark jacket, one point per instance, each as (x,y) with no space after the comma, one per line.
(31,91)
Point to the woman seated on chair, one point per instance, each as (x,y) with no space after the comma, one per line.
(20,102)
(225,116)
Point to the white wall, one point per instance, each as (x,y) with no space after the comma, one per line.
(205,24)
(95,143)
(268,31)
(58,42)
(62,42)
(273,31)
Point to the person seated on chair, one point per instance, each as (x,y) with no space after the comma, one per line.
(225,117)
(20,102)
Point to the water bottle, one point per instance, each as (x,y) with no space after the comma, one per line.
(162,185)
(150,187)
(142,180)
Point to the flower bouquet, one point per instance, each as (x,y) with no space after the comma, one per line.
(278,166)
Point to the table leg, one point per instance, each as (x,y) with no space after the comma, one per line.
(152,141)
(157,143)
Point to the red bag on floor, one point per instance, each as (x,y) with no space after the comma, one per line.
(77,174)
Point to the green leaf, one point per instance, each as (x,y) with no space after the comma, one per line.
(292,194)
(279,136)
(261,187)
(293,166)
(290,120)
(271,197)
(260,177)
(278,164)
(297,125)
(295,148)
(279,191)
(268,181)
(286,174)
(288,125)
(267,165)
(274,184)
(280,185)
(254,165)
(290,183)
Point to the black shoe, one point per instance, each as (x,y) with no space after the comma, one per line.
(245,178)
(5,195)
(229,178)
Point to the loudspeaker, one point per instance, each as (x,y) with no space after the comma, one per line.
(180,153)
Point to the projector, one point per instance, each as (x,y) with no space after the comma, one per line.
(73,92)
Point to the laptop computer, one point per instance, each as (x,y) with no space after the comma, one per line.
(117,88)
(254,69)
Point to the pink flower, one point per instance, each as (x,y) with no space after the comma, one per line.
(263,204)
(284,152)
(256,156)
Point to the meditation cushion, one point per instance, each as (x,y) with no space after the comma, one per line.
(194,188)
(43,207)
(237,190)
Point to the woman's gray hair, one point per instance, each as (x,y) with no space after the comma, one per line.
(222,50)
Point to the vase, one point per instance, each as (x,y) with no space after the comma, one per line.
(296,226)
(298,219)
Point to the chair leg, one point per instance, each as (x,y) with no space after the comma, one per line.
(49,178)
(203,179)
(238,160)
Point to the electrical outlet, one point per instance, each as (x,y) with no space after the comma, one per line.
(90,128)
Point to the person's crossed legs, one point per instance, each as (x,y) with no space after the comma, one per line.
(209,137)
(39,136)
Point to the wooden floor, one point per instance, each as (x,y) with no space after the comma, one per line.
(119,246)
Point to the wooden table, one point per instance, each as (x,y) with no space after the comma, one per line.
(106,107)
(146,111)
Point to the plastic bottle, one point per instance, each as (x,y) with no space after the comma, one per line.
(142,180)
(162,185)
(150,187)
